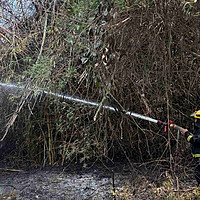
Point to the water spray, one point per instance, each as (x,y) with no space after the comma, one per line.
(78,100)
(91,103)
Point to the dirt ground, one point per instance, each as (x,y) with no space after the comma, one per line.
(59,184)
(53,184)
(92,184)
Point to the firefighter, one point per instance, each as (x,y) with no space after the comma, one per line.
(194,140)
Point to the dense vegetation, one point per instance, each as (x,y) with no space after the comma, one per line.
(139,55)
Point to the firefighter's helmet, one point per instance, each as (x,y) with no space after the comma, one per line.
(196,114)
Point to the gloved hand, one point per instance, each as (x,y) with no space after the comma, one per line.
(183,131)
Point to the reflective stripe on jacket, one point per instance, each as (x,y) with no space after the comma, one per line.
(194,140)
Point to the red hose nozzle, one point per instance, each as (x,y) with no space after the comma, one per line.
(165,124)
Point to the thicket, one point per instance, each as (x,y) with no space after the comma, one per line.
(141,56)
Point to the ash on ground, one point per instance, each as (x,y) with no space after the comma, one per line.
(58,184)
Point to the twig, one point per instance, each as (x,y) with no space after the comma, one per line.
(113,184)
(10,170)
(5,38)
(195,54)
(187,190)
(120,23)
(15,115)
(99,108)
(43,38)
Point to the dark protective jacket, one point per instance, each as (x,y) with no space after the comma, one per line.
(194,140)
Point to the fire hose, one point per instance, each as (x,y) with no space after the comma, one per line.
(159,122)
(171,125)
(136,115)
(99,105)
